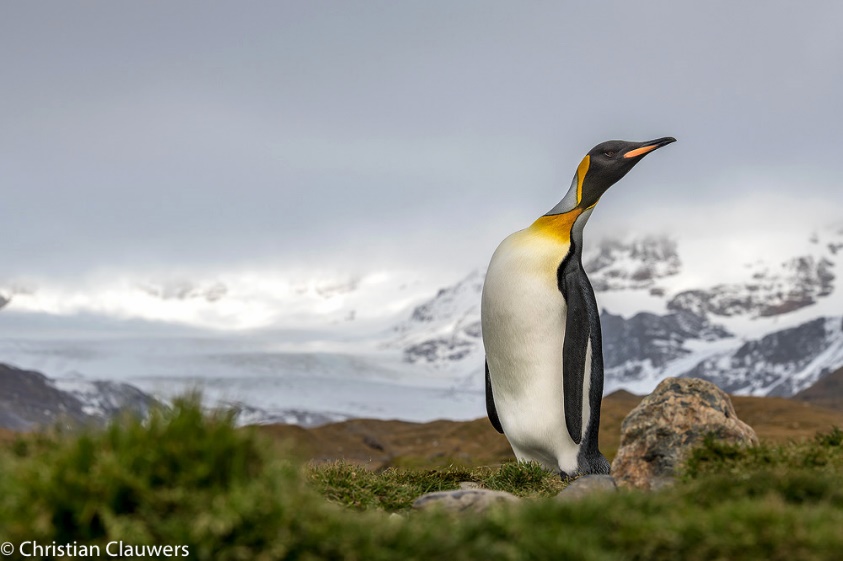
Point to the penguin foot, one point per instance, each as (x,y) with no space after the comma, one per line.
(599,465)
(594,465)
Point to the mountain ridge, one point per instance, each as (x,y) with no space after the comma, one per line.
(29,399)
(757,337)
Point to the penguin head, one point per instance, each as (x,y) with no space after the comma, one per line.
(607,163)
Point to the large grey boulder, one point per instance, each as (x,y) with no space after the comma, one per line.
(464,500)
(657,435)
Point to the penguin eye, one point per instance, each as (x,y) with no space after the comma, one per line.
(609,154)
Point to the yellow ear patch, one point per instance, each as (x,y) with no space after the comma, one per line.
(581,171)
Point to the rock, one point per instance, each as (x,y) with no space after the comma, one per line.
(470,485)
(464,500)
(657,435)
(586,486)
(373,443)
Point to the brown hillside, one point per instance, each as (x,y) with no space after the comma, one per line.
(379,444)
(827,392)
(779,419)
(7,436)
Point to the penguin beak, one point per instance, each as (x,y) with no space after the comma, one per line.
(649,146)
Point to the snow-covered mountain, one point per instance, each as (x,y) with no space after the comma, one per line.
(779,364)
(640,263)
(774,330)
(769,291)
(445,329)
(29,399)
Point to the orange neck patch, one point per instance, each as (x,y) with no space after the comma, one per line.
(557,225)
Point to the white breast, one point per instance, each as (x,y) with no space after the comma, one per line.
(523,319)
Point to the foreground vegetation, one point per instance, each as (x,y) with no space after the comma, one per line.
(394,490)
(186,479)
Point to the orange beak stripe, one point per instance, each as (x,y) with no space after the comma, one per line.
(640,151)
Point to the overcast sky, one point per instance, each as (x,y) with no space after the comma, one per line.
(355,136)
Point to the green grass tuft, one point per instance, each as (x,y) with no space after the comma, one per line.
(394,490)
(824,453)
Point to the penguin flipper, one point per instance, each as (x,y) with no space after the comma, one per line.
(576,289)
(490,403)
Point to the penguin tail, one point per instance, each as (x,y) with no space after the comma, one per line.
(491,411)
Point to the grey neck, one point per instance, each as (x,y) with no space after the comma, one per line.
(568,202)
(577,230)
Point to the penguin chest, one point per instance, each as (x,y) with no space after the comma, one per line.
(523,320)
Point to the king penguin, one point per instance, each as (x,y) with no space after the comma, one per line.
(541,325)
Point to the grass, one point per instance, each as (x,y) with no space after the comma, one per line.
(189,479)
(394,490)
(822,454)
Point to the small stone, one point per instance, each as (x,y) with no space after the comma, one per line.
(373,443)
(657,435)
(470,485)
(586,486)
(464,500)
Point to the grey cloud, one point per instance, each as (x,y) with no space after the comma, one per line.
(368,134)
